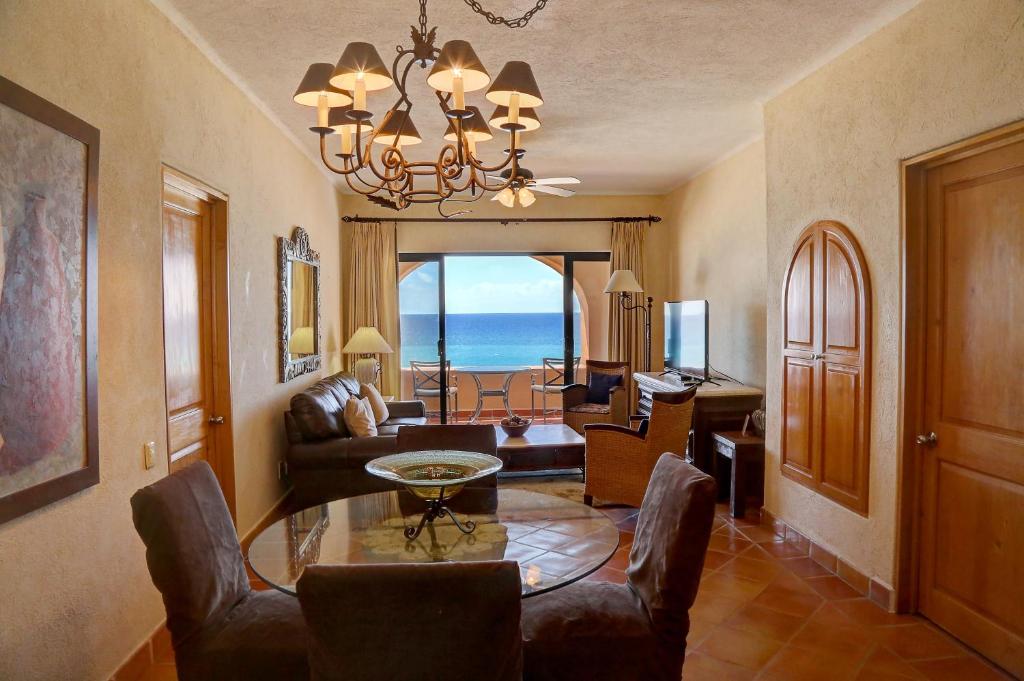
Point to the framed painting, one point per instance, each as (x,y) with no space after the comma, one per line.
(49,165)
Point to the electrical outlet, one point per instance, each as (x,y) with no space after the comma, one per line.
(149,454)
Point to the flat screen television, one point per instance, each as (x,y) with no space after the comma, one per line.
(686,338)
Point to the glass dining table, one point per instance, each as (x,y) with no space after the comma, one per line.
(556,541)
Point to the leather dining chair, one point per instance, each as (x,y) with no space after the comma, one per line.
(596,631)
(462,437)
(221,629)
(407,622)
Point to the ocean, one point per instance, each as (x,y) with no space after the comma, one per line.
(486,339)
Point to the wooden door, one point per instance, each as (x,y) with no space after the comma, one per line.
(826,361)
(971,559)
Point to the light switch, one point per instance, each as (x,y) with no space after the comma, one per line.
(149,451)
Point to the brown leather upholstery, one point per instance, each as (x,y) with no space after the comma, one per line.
(457,621)
(219,627)
(324,461)
(593,631)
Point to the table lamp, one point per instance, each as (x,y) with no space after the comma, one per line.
(367,341)
(624,283)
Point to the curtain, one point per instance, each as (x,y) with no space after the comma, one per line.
(371,293)
(626,329)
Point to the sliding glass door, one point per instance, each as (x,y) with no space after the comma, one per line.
(424,361)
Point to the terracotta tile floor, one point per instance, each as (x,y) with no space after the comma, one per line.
(764,612)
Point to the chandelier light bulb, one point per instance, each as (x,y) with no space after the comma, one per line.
(526,197)
(507,197)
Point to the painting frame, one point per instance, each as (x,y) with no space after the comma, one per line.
(36,496)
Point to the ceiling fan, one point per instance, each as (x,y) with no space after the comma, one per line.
(524,185)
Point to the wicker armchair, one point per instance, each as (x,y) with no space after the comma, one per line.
(577,412)
(620,460)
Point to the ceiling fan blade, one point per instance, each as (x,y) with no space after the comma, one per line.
(557,191)
(558,180)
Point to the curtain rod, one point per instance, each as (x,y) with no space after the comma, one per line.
(505,221)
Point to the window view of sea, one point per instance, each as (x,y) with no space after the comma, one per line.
(487,339)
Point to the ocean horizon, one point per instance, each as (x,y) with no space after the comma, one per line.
(489,339)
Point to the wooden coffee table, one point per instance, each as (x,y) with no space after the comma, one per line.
(543,447)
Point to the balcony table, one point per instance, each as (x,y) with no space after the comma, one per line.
(509,372)
(556,541)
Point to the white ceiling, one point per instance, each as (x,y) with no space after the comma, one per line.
(638,96)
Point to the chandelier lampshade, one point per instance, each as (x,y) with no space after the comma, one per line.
(528,118)
(360,62)
(339,120)
(516,78)
(458,60)
(474,127)
(398,129)
(317,82)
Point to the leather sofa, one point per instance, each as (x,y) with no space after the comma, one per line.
(324,461)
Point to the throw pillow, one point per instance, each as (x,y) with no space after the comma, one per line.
(359,417)
(377,404)
(600,386)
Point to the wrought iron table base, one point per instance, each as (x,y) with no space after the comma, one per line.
(436,509)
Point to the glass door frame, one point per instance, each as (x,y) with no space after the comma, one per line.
(569,258)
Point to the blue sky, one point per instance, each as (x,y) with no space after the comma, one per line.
(484,284)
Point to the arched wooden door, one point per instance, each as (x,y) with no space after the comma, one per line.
(826,365)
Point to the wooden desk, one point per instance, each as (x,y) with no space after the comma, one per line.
(717,407)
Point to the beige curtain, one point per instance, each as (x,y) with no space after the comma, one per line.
(626,329)
(371,292)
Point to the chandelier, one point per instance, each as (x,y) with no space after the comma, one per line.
(339,93)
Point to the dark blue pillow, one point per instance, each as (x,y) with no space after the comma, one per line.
(600,386)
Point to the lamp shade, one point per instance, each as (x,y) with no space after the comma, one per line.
(398,126)
(474,126)
(457,58)
(365,341)
(515,77)
(302,342)
(526,197)
(528,118)
(317,81)
(360,58)
(623,281)
(339,120)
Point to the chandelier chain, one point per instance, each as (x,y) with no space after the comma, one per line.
(511,23)
(423,18)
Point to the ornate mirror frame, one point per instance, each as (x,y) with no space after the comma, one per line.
(292,250)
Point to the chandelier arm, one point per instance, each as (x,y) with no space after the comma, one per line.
(323,157)
(512,157)
(374,188)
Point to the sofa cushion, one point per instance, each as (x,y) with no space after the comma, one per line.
(406,421)
(318,413)
(377,403)
(342,454)
(359,417)
(600,385)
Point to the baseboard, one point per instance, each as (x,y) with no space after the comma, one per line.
(155,648)
(880,594)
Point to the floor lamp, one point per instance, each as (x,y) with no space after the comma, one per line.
(365,342)
(624,283)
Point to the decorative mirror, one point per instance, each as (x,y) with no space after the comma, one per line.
(299,305)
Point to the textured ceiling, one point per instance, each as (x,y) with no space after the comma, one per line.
(639,96)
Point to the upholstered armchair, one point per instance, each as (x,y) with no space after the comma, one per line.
(596,631)
(582,405)
(620,459)
(221,629)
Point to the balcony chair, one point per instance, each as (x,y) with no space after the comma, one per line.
(552,380)
(620,459)
(597,631)
(411,622)
(595,402)
(221,629)
(426,383)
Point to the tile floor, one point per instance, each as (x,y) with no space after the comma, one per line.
(766,612)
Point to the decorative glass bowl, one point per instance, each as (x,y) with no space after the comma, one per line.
(427,473)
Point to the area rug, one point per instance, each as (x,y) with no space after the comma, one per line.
(565,486)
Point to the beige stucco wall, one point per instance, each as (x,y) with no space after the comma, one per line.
(946,70)
(77,597)
(717,224)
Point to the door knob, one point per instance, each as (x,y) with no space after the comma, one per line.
(929,440)
(217,420)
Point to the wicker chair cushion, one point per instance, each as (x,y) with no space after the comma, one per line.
(591,408)
(600,385)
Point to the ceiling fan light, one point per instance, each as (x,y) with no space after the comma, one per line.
(516,77)
(475,128)
(457,59)
(528,118)
(315,83)
(526,197)
(360,62)
(507,197)
(398,128)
